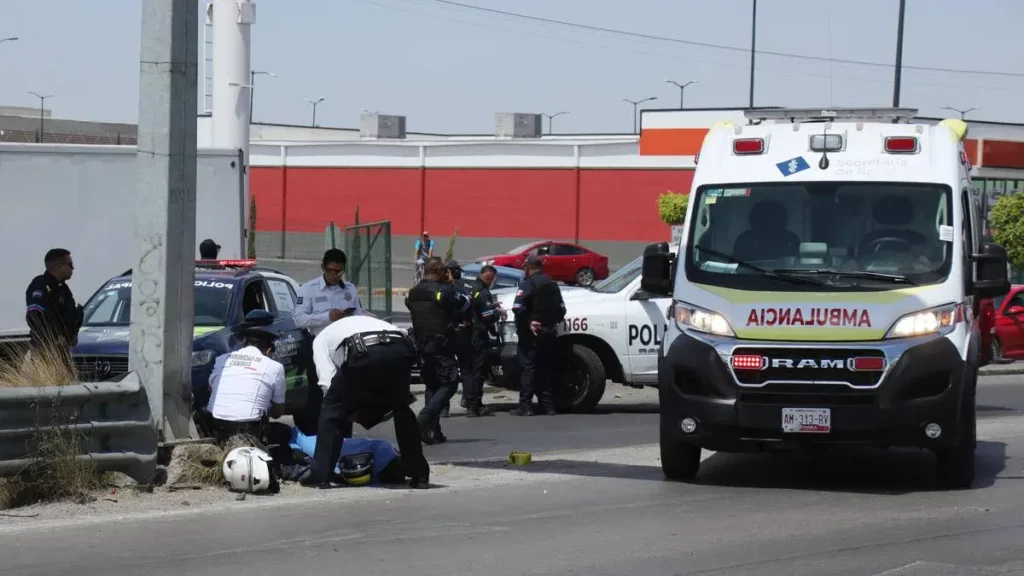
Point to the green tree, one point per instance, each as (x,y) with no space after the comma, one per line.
(251,240)
(1007,222)
(672,207)
(450,253)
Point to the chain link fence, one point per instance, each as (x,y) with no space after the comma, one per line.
(369,264)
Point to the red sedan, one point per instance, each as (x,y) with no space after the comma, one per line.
(563,261)
(1008,341)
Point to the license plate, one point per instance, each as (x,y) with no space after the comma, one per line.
(807,420)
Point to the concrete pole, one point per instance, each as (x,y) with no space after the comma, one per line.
(163,278)
(232,26)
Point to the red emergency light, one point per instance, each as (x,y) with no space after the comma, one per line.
(748,146)
(747,362)
(868,364)
(227,263)
(901,144)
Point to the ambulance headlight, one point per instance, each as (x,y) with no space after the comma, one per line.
(690,317)
(202,357)
(508,332)
(939,320)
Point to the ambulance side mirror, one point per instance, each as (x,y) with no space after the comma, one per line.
(990,270)
(656,271)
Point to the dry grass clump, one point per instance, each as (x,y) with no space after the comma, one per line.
(57,472)
(202,464)
(50,365)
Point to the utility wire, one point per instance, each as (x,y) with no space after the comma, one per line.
(696,44)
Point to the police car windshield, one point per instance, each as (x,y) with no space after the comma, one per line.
(621,278)
(851,236)
(111,306)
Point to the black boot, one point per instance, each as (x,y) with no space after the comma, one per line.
(522,410)
(479,411)
(419,483)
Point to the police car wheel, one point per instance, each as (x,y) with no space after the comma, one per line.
(583,380)
(954,465)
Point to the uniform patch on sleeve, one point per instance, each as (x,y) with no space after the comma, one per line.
(37,293)
(298,301)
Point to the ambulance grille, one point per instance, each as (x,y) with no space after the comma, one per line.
(776,369)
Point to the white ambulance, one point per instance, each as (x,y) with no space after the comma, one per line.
(825,290)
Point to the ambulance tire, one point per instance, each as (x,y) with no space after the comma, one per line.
(582,385)
(954,465)
(680,460)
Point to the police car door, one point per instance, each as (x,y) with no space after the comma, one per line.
(290,337)
(645,327)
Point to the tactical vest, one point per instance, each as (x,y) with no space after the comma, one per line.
(545,305)
(430,324)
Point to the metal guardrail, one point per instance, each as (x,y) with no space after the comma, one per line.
(113,421)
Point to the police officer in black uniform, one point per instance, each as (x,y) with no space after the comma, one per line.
(538,308)
(463,334)
(436,308)
(52,316)
(484,318)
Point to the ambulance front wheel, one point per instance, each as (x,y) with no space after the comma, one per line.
(680,460)
(954,465)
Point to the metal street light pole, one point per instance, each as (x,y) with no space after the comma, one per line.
(42,112)
(682,88)
(314,103)
(899,56)
(753,51)
(252,86)
(962,113)
(636,115)
(551,120)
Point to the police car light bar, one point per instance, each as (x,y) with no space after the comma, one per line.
(901,145)
(830,114)
(227,263)
(748,146)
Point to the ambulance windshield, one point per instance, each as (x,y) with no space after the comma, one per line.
(820,236)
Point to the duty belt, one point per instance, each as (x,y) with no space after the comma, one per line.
(357,344)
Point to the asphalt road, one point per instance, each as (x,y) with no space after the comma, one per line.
(859,512)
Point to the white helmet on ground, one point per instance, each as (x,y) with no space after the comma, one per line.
(248,470)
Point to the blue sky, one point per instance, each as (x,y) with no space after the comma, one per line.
(450,69)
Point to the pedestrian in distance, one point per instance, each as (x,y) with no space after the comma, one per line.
(422,249)
(366,364)
(52,316)
(538,308)
(436,308)
(484,317)
(321,301)
(208,250)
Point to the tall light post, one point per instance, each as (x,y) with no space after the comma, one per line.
(682,88)
(551,119)
(753,50)
(252,86)
(42,111)
(636,115)
(899,56)
(962,113)
(314,103)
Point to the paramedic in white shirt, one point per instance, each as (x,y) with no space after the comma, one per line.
(323,300)
(365,365)
(246,388)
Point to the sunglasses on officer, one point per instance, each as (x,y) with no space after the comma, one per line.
(333,269)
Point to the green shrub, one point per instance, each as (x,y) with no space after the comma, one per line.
(672,208)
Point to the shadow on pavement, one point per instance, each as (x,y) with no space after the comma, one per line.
(624,408)
(852,470)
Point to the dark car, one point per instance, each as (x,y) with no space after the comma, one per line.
(229,296)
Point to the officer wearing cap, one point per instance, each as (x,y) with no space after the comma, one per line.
(247,387)
(484,317)
(366,367)
(463,333)
(208,249)
(436,308)
(321,301)
(538,308)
